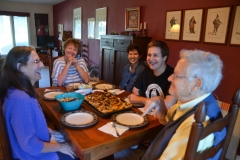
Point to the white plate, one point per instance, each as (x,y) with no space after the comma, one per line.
(130,119)
(92,83)
(50,95)
(97,91)
(81,92)
(79,119)
(104,86)
(84,91)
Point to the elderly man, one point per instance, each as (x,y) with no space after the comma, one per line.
(195,77)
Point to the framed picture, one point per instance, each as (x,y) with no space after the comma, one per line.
(192,25)
(91,22)
(235,37)
(216,25)
(132,19)
(173,25)
(41,24)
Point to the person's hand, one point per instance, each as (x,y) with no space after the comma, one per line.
(71,61)
(57,136)
(66,149)
(132,98)
(157,104)
(74,62)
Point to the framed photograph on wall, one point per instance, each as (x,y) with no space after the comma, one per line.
(192,25)
(132,19)
(173,25)
(235,36)
(216,25)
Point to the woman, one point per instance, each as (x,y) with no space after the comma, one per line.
(26,126)
(132,71)
(70,67)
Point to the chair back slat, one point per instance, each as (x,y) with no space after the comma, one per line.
(211,152)
(51,61)
(216,128)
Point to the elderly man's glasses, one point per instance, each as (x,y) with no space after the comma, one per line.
(177,76)
(37,61)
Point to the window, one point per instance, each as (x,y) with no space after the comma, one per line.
(77,17)
(14,31)
(101,22)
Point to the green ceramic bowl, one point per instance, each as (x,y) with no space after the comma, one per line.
(71,105)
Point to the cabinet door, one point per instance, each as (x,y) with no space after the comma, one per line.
(107,64)
(121,60)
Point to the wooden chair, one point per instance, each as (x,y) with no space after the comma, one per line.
(51,60)
(5,146)
(199,132)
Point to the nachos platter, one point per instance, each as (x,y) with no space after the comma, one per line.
(104,103)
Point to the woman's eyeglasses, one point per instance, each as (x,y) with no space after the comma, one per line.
(37,61)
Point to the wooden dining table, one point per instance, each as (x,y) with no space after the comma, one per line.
(91,143)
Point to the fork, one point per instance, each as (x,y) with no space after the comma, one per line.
(114,126)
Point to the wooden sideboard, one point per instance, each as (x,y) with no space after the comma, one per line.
(113,56)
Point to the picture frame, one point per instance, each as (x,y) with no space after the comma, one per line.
(173,25)
(91,26)
(235,36)
(192,25)
(132,19)
(41,24)
(217,22)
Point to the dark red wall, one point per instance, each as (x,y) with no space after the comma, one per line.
(154,13)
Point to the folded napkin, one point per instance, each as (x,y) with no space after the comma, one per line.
(97,90)
(108,128)
(52,90)
(150,113)
(119,91)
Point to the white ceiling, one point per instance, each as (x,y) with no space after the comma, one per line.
(46,2)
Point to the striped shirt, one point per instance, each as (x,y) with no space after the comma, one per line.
(73,75)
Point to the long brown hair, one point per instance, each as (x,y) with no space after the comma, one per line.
(10,74)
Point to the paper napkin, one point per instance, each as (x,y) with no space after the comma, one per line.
(142,109)
(52,90)
(119,91)
(97,90)
(108,128)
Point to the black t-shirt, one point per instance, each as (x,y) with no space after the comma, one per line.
(152,84)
